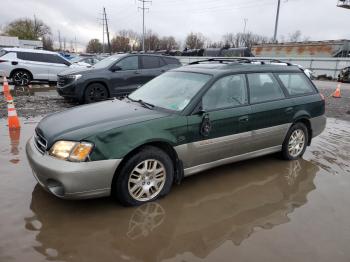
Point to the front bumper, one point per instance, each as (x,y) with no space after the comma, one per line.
(71,180)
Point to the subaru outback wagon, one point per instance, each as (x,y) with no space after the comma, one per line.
(185,121)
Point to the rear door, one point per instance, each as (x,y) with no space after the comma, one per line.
(128,76)
(222,131)
(272,111)
(151,66)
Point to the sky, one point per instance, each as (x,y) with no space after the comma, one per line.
(316,19)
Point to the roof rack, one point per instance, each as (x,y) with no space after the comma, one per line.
(242,60)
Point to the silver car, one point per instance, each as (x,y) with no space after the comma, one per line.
(24,65)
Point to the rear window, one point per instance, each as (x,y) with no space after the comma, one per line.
(149,62)
(3,52)
(171,61)
(264,87)
(296,84)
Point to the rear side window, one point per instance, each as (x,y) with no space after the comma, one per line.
(296,84)
(264,87)
(149,62)
(171,61)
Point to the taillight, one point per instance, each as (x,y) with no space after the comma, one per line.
(2,61)
(322,96)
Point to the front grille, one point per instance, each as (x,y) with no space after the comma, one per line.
(63,81)
(40,142)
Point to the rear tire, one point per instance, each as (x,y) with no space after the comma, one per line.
(95,92)
(144,177)
(21,77)
(295,143)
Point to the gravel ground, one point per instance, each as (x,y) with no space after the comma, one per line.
(45,100)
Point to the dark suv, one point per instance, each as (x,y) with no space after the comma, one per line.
(115,76)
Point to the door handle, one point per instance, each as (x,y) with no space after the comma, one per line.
(289,110)
(243,119)
(137,73)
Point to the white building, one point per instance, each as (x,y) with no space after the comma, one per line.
(13,41)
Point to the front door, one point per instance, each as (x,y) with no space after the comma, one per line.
(222,129)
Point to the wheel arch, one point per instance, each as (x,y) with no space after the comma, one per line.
(162,145)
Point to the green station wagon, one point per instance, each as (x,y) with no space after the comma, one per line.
(187,120)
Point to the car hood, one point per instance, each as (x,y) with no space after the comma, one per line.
(83,121)
(78,70)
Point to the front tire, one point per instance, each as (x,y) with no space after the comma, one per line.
(146,176)
(95,92)
(295,143)
(21,78)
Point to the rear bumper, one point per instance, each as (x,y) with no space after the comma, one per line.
(318,124)
(70,180)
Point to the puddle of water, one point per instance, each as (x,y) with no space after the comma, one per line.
(265,209)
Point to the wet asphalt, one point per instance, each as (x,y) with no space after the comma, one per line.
(264,209)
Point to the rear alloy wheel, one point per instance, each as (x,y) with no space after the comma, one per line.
(295,143)
(21,78)
(95,92)
(144,177)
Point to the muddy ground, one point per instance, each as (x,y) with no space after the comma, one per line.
(263,209)
(39,101)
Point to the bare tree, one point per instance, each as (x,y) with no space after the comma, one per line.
(47,43)
(152,41)
(295,37)
(195,40)
(168,43)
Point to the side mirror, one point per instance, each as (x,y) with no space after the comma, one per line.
(116,68)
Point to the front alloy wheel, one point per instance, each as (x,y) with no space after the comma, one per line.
(146,176)
(146,180)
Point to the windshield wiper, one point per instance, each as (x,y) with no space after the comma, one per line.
(143,103)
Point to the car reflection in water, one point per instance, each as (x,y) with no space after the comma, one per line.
(223,204)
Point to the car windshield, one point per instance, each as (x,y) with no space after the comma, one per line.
(171,90)
(107,61)
(76,59)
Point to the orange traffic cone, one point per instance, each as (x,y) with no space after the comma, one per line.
(5,84)
(13,120)
(336,93)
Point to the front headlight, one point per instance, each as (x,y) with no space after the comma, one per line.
(72,151)
(75,77)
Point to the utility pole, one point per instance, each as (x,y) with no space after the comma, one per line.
(143,8)
(245,25)
(109,43)
(59,40)
(276,24)
(103,30)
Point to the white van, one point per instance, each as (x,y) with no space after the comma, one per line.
(24,65)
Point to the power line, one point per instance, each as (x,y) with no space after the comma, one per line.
(143,8)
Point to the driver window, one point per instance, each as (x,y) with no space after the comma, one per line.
(229,91)
(129,63)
